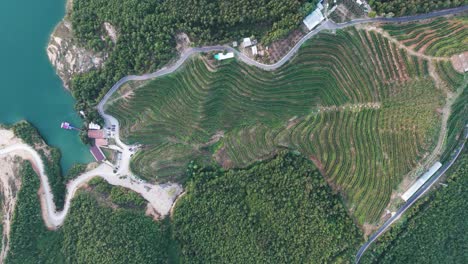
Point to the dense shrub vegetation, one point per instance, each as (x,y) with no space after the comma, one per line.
(147,32)
(365,127)
(50,156)
(280,211)
(92,232)
(30,241)
(411,7)
(27,132)
(434,231)
(118,195)
(95,233)
(76,170)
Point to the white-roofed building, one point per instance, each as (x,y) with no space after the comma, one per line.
(420,182)
(246,42)
(254,50)
(320,6)
(94,126)
(220,56)
(312,20)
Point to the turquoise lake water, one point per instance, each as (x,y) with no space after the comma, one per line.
(29,87)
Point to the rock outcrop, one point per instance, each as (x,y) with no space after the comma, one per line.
(67,57)
(111,32)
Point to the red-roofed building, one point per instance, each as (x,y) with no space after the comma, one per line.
(101,142)
(96,134)
(97,153)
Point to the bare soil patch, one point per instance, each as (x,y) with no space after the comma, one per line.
(279,48)
(215,138)
(151,212)
(460,62)
(222,157)
(292,122)
(182,42)
(111,31)
(10,183)
(318,164)
(368,229)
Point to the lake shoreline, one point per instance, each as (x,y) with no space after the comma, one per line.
(66,56)
(38,95)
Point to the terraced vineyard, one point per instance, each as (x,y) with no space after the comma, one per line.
(449,75)
(459,114)
(439,37)
(363,110)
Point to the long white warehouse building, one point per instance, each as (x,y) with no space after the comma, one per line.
(415,187)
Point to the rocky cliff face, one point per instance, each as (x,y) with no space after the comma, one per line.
(67,57)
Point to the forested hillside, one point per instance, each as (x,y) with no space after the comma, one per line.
(411,7)
(434,230)
(280,211)
(146,32)
(30,241)
(92,233)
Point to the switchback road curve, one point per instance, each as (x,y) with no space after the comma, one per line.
(327,25)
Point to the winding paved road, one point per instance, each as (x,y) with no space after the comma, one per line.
(327,25)
(415,197)
(161,197)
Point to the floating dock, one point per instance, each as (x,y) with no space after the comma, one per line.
(67,126)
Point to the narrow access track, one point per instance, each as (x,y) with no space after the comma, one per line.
(415,197)
(327,25)
(161,196)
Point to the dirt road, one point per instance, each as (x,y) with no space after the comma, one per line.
(160,197)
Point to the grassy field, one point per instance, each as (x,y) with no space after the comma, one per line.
(439,37)
(363,110)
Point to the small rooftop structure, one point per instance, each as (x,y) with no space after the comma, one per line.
(97,153)
(220,56)
(420,182)
(313,19)
(68,126)
(320,6)
(65,125)
(101,142)
(94,126)
(254,50)
(234,44)
(96,133)
(246,42)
